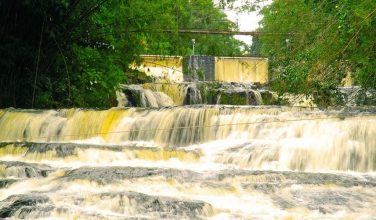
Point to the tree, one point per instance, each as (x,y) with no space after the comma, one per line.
(316,43)
(63,53)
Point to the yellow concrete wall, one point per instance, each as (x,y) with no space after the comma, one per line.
(348,80)
(163,68)
(241,69)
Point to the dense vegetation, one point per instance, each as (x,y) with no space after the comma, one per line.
(318,42)
(62,53)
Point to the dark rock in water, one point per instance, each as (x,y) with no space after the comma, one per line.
(133,205)
(164,207)
(323,200)
(266,188)
(24,204)
(357,96)
(133,96)
(325,192)
(193,95)
(317,198)
(6,182)
(62,150)
(105,175)
(288,178)
(268,98)
(328,178)
(24,170)
(233,98)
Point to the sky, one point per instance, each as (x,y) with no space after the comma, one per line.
(247,21)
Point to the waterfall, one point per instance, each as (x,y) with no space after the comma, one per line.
(258,97)
(193,95)
(188,162)
(188,93)
(259,138)
(218,100)
(138,96)
(176,92)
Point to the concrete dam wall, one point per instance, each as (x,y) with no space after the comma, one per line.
(205,68)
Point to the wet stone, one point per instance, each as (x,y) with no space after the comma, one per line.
(325,201)
(266,188)
(68,213)
(234,98)
(21,206)
(328,178)
(288,178)
(62,150)
(23,170)
(105,175)
(268,98)
(6,182)
(166,207)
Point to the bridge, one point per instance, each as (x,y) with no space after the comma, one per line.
(215,32)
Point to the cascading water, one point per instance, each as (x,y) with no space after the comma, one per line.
(193,93)
(258,97)
(144,97)
(210,162)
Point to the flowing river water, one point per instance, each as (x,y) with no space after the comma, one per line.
(196,162)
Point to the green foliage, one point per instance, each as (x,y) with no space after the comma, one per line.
(318,42)
(183,14)
(235,98)
(60,53)
(94,86)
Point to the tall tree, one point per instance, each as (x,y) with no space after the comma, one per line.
(62,53)
(316,43)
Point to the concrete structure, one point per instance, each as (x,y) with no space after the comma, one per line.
(162,68)
(226,69)
(348,81)
(199,68)
(241,69)
(205,68)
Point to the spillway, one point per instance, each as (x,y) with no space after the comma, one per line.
(192,162)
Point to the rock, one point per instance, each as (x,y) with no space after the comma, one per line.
(61,150)
(288,178)
(20,206)
(106,175)
(233,98)
(164,207)
(6,182)
(23,170)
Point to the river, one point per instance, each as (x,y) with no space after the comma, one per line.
(190,162)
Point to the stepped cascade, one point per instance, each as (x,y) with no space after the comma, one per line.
(188,109)
(191,93)
(188,162)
